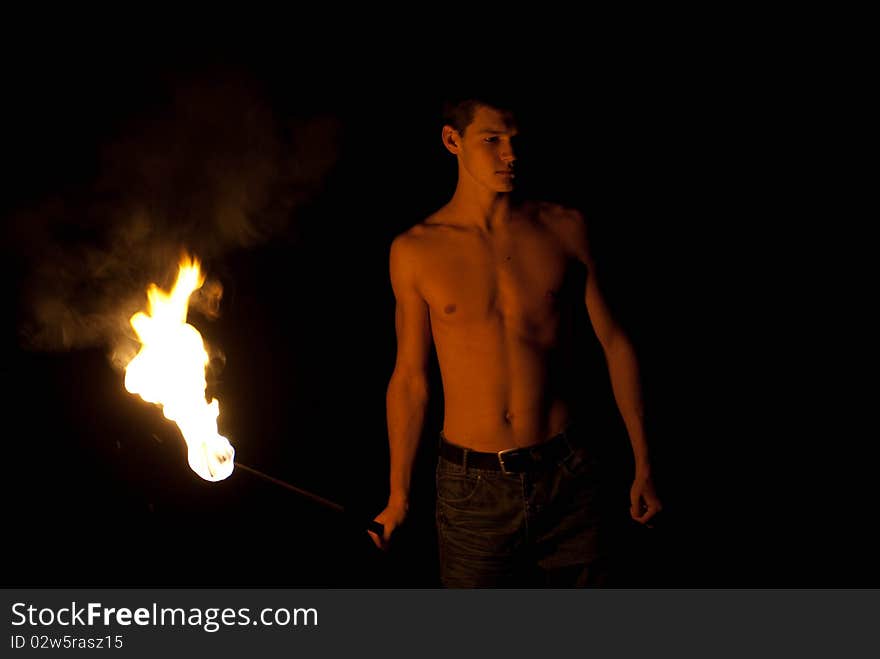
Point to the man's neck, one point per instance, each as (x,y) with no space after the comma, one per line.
(482,209)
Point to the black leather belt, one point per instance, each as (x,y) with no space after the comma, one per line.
(513,460)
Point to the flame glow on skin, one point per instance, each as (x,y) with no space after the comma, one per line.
(169,371)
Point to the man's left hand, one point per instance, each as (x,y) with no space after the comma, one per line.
(644,502)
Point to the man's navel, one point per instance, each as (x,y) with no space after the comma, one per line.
(450,308)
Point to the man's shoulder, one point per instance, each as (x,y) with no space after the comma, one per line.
(567,223)
(422,235)
(411,245)
(553,214)
(409,240)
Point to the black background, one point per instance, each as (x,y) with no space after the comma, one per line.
(671,154)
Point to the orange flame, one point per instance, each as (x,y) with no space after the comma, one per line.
(169,371)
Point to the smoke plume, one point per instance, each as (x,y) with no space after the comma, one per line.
(215,169)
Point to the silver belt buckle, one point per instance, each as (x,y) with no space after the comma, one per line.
(501,460)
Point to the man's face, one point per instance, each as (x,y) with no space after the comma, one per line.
(486,152)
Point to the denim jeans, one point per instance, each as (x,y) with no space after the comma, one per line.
(539,528)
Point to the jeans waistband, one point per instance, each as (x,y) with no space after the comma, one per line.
(515,460)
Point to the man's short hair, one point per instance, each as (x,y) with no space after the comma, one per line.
(459,110)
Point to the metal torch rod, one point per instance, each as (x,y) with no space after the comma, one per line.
(372,524)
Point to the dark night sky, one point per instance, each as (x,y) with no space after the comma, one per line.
(98,492)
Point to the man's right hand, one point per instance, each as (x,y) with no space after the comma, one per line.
(390,518)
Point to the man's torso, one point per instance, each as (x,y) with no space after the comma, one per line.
(501,310)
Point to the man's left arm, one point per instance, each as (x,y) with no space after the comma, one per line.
(623,369)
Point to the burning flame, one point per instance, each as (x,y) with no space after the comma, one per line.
(169,371)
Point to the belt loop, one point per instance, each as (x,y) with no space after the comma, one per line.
(464,456)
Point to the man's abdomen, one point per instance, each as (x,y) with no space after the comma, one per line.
(500,393)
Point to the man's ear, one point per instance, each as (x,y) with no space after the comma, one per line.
(451,139)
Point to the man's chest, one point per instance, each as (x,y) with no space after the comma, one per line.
(512,278)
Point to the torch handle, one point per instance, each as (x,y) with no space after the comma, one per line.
(372,524)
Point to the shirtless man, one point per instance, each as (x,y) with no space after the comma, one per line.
(490,283)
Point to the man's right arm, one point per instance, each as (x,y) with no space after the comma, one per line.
(407,394)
